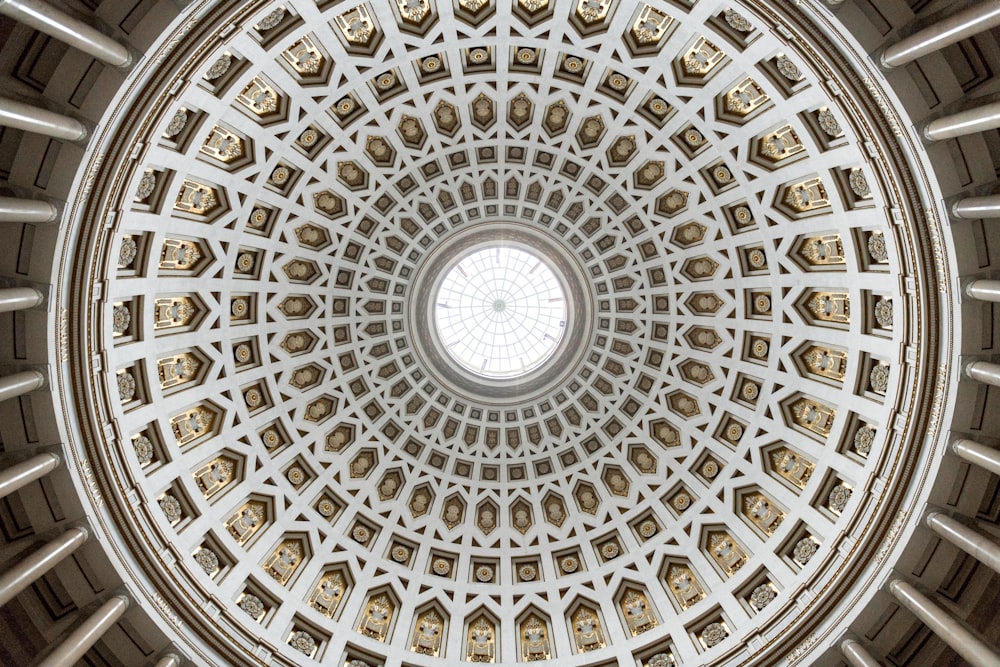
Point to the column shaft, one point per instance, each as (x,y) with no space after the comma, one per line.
(56,23)
(954,634)
(19,298)
(984,371)
(40,121)
(977,545)
(976,19)
(26,210)
(984,290)
(29,569)
(20,383)
(25,472)
(977,453)
(973,208)
(86,634)
(970,121)
(856,654)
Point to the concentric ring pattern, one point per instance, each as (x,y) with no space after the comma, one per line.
(295,474)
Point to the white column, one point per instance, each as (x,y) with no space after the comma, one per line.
(169,660)
(14,385)
(856,655)
(954,634)
(977,453)
(970,121)
(982,16)
(55,23)
(973,208)
(86,634)
(984,371)
(27,570)
(25,472)
(984,290)
(972,542)
(40,121)
(20,298)
(26,210)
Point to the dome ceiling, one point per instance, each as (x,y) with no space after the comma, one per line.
(302,470)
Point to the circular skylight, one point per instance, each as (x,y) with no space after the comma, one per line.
(500,312)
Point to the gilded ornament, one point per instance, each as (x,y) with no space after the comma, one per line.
(258,217)
(610,550)
(146,186)
(244,262)
(302,641)
(527,572)
(308,138)
(177,123)
(787,68)
(587,630)
(239,307)
(859,184)
(651,25)
(648,528)
(127,252)
(484,573)
(737,21)
(837,500)
(864,438)
(207,560)
(828,123)
(280,175)
(618,81)
(242,353)
(252,605)
(126,386)
(804,550)
(658,107)
(879,378)
(271,438)
(681,501)
(661,660)
(253,398)
(171,508)
(883,313)
(143,449)
(569,564)
(430,64)
(762,596)
(441,567)
(709,469)
(877,248)
(526,56)
(295,475)
(326,508)
(638,613)
(734,432)
(713,634)
(219,67)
